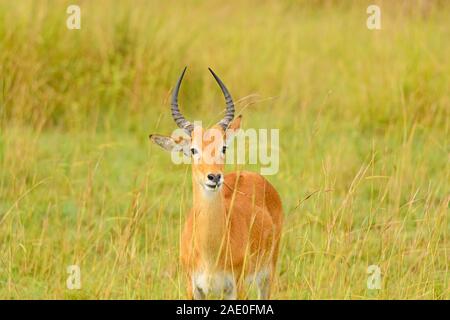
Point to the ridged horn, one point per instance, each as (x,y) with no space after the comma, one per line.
(229,112)
(176,114)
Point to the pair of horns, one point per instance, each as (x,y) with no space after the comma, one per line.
(181,121)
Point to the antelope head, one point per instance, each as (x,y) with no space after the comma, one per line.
(206,146)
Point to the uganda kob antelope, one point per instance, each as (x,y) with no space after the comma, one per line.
(231,236)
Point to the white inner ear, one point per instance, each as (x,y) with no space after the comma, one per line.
(171,144)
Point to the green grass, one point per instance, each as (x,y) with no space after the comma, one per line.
(363,118)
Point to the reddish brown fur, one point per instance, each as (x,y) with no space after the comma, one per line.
(235,229)
(239,229)
(250,222)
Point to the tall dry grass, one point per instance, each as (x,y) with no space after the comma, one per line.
(363,118)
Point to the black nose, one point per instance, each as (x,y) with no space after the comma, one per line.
(214,177)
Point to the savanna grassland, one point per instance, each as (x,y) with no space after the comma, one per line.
(364,141)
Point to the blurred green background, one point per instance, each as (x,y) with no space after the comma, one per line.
(364,155)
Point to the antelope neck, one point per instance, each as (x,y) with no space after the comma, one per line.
(210,222)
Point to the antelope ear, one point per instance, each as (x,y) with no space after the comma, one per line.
(233,128)
(170,144)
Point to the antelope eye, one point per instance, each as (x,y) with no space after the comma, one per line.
(194,151)
(224,149)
